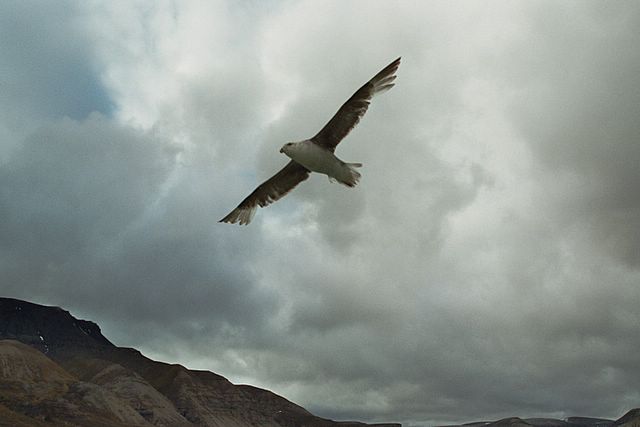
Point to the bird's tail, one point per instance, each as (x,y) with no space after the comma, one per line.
(349,175)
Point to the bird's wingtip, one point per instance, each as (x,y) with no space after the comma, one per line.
(240,216)
(393,66)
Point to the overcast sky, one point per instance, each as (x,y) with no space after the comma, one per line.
(487,265)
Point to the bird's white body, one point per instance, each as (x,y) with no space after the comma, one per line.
(318,159)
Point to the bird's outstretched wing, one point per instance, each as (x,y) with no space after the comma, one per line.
(268,192)
(351,111)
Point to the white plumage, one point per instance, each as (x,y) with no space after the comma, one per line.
(320,160)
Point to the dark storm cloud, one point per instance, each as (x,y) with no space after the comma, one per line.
(71,186)
(91,219)
(62,197)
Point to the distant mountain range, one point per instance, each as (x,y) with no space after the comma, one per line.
(630,419)
(56,370)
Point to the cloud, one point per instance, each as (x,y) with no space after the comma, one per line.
(73,187)
(93,212)
(579,121)
(485,266)
(46,65)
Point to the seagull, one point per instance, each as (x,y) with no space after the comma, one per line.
(316,154)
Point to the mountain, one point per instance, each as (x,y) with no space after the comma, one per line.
(56,370)
(630,419)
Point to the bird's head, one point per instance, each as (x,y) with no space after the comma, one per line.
(286,147)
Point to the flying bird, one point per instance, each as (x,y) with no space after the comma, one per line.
(316,154)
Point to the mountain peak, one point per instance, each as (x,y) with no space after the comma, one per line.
(47,328)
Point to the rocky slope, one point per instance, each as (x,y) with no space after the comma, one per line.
(35,387)
(56,370)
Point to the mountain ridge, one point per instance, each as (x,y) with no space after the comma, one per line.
(629,419)
(99,384)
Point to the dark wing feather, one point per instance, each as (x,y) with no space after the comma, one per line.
(351,111)
(268,192)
